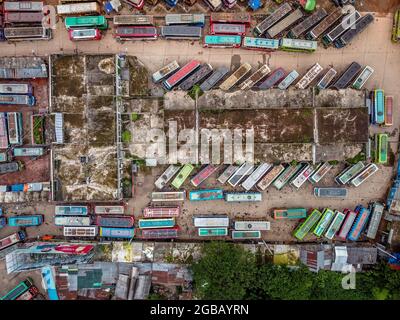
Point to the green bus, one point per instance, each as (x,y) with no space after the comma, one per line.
(21,288)
(396,27)
(212,232)
(182,176)
(242,235)
(298,45)
(305,227)
(327,216)
(99,22)
(382,148)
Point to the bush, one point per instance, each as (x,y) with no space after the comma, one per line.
(126,136)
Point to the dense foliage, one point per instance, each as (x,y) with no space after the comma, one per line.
(227,271)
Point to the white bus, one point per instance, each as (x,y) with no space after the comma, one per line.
(228,172)
(163,180)
(302,176)
(289,79)
(310,76)
(349,173)
(80,231)
(211,221)
(165,71)
(363,78)
(109,209)
(257,174)
(72,221)
(252,225)
(286,175)
(270,177)
(376,217)
(320,172)
(367,172)
(133,20)
(238,176)
(243,196)
(168,196)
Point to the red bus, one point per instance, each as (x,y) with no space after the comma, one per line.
(84,34)
(161,212)
(204,174)
(160,233)
(389,111)
(136,33)
(181,74)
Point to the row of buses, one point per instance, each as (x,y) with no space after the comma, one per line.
(10,129)
(346,225)
(381,108)
(25,290)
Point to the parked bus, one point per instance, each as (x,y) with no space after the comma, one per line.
(160,233)
(347,224)
(136,33)
(273,79)
(347,22)
(255,77)
(115,221)
(320,172)
(257,174)
(222,41)
(305,227)
(14,126)
(72,210)
(345,79)
(118,233)
(161,212)
(285,23)
(367,172)
(80,231)
(212,232)
(78,8)
(327,216)
(327,79)
(239,175)
(298,45)
(9,167)
(252,225)
(382,148)
(109,209)
(199,75)
(30,294)
(231,17)
(228,172)
(168,196)
(335,225)
(310,76)
(182,176)
(27,33)
(72,221)
(330,192)
(215,77)
(16,88)
(302,176)
(17,99)
(376,217)
(25,221)
(325,24)
(204,173)
(359,224)
(211,221)
(12,239)
(349,173)
(260,44)
(379,106)
(84,34)
(307,23)
(207,194)
(133,20)
(24,6)
(181,74)
(228,28)
(214,5)
(23,17)
(166,176)
(165,71)
(194,19)
(286,175)
(396,27)
(272,19)
(18,290)
(181,32)
(360,25)
(242,235)
(97,22)
(291,213)
(243,196)
(235,77)
(388,111)
(270,177)
(289,79)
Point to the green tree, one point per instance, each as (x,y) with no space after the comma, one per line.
(225,271)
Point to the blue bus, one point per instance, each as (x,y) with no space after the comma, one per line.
(379,107)
(206,194)
(359,224)
(72,210)
(120,233)
(25,221)
(156,223)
